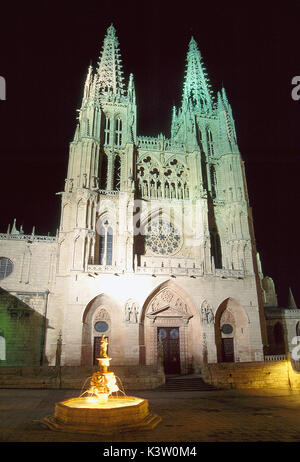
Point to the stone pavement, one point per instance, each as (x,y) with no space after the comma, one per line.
(192,416)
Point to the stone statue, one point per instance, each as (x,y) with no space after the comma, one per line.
(131,312)
(210,316)
(135,312)
(128,309)
(103,346)
(207,315)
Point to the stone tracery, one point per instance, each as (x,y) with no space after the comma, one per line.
(168,181)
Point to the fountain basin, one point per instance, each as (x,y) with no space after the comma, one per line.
(90,415)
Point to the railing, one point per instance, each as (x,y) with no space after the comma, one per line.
(164,270)
(159,144)
(172,271)
(227,273)
(274,357)
(149,143)
(27,237)
(108,192)
(105,269)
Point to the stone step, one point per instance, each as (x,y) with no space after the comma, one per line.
(185,383)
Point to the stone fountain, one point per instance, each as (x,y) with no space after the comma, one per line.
(99,412)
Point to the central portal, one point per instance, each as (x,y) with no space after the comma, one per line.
(169,338)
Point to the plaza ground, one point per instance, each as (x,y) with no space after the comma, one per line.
(187,416)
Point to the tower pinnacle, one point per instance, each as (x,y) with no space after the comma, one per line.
(196,88)
(110,71)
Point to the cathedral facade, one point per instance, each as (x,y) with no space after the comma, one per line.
(155,247)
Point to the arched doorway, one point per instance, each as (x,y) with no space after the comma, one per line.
(170,323)
(102,316)
(232,332)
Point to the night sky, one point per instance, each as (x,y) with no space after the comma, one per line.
(254,51)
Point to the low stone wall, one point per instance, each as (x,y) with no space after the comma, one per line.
(76,377)
(273,374)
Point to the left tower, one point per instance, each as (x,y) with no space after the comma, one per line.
(101,165)
(98,195)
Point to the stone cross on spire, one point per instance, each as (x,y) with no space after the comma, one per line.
(110,71)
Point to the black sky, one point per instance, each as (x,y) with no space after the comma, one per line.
(251,49)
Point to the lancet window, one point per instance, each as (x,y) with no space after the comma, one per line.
(213,181)
(117,173)
(210,146)
(118,132)
(106,243)
(107,131)
(216,250)
(103,172)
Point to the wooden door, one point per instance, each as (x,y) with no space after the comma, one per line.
(227,350)
(171,351)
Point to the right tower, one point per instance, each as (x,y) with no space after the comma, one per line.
(205,126)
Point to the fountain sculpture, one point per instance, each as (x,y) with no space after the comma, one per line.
(99,412)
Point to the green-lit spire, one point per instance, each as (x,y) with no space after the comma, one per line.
(226,119)
(110,71)
(131,89)
(196,88)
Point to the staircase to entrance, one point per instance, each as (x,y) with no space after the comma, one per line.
(184,383)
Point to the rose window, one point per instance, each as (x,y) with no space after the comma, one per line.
(162,238)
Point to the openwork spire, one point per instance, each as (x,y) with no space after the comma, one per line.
(196,88)
(110,72)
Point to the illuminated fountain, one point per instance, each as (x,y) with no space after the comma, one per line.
(99,412)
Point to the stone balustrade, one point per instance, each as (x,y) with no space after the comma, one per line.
(159,144)
(167,270)
(274,357)
(28,237)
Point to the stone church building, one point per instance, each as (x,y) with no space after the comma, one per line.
(155,246)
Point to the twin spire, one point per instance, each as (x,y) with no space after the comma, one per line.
(110,70)
(109,79)
(106,84)
(196,88)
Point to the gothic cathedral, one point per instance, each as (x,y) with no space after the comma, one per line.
(156,246)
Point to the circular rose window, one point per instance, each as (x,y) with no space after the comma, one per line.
(162,238)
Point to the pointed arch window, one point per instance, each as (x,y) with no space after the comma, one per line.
(6,267)
(107,131)
(216,250)
(103,173)
(213,181)
(117,173)
(118,132)
(102,245)
(106,244)
(109,246)
(210,146)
